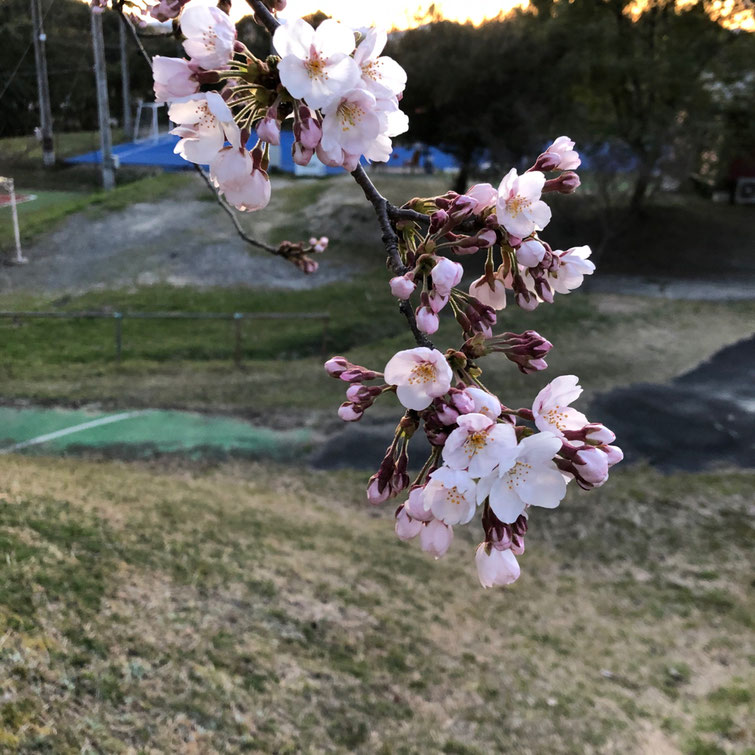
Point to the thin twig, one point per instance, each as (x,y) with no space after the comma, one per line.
(232,214)
(403,213)
(134,35)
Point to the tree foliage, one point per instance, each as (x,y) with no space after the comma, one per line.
(656,83)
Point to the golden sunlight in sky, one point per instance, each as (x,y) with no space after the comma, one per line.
(399,14)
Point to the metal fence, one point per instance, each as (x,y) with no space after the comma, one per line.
(236,317)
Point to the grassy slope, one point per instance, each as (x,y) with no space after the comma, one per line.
(608,340)
(43,214)
(282,616)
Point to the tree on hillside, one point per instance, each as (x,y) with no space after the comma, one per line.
(588,68)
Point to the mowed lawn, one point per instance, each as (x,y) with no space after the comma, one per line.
(249,608)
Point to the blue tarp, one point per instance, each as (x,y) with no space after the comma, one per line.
(159,153)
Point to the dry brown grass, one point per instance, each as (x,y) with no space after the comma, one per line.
(255,608)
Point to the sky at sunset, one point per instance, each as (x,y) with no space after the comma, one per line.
(400,14)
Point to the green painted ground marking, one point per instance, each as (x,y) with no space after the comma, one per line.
(37,430)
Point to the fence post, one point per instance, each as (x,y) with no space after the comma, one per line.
(237,318)
(118,335)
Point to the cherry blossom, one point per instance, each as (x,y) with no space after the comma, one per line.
(381,75)
(174,78)
(484,402)
(420,375)
(573,265)
(520,209)
(526,476)
(476,444)
(450,496)
(350,123)
(551,409)
(484,195)
(204,121)
(496,567)
(489,291)
(245,186)
(210,35)
(435,538)
(315,63)
(563,148)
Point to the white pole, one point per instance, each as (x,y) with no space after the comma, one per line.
(20,259)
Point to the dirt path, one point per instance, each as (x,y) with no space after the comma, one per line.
(184,240)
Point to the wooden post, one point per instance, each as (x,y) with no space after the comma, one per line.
(103,106)
(43,86)
(118,336)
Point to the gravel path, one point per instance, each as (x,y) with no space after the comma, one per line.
(184,240)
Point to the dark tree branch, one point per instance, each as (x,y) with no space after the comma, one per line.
(390,241)
(264,16)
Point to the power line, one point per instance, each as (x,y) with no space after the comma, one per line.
(24,54)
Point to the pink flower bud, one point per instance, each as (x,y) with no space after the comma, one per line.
(592,465)
(547,162)
(402,287)
(322,244)
(350,412)
(311,134)
(613,454)
(437,301)
(336,365)
(598,434)
(566,183)
(406,527)
(496,567)
(446,414)
(415,505)
(427,321)
(268,129)
(378,491)
(435,538)
(301,155)
(530,253)
(446,274)
(485,196)
(462,401)
(486,238)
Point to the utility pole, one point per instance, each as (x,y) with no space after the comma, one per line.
(128,126)
(103,107)
(43,88)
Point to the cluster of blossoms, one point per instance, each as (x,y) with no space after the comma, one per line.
(484,454)
(333,85)
(342,97)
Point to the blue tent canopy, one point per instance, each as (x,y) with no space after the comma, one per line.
(159,153)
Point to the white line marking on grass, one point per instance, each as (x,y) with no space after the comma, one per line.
(73,429)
